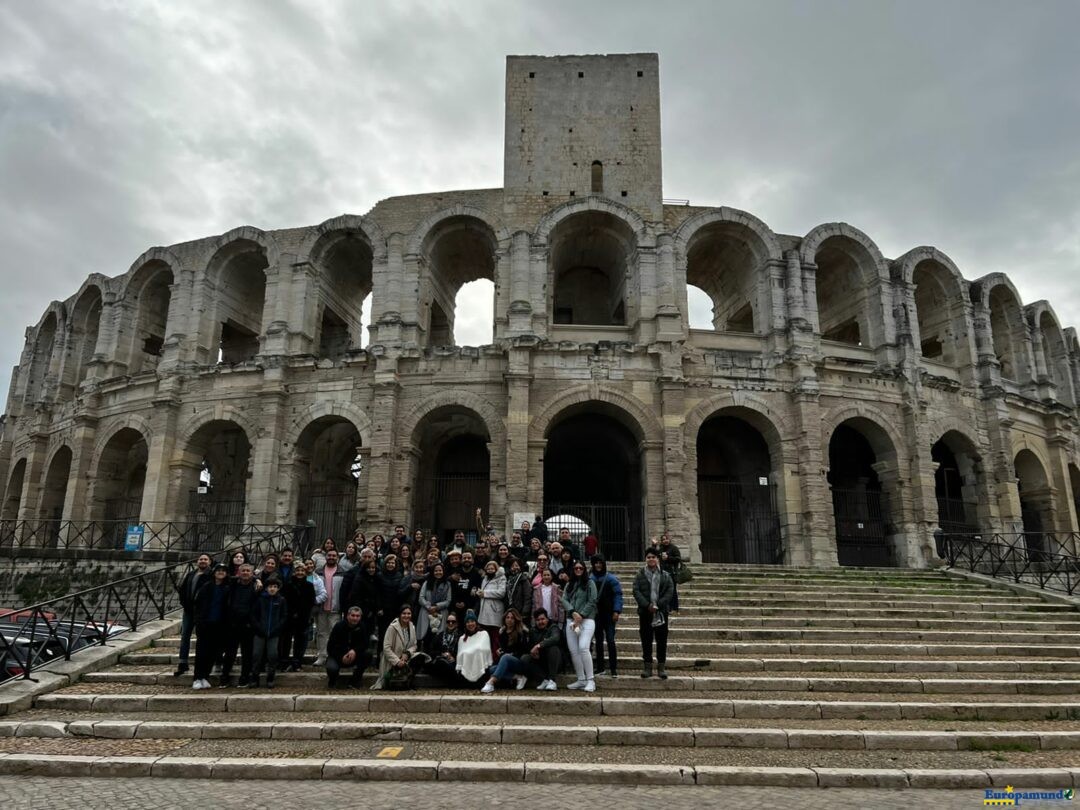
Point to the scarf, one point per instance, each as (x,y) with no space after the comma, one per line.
(654,585)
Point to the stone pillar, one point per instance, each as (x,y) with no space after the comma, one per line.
(679,516)
(275,327)
(793,291)
(362,519)
(383,462)
(904,535)
(174,349)
(653,497)
(159,460)
(1059,445)
(263,487)
(518,383)
(817,529)
(521,306)
(540,291)
(32,480)
(670,326)
(303,311)
(76,500)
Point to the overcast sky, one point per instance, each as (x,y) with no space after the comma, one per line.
(130,124)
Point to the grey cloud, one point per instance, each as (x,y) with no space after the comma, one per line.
(128,125)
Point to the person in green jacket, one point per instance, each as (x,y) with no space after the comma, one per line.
(579,602)
(653,591)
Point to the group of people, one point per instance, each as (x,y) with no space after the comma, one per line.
(495,614)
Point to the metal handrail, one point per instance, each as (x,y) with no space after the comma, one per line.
(111,534)
(37,634)
(1021,557)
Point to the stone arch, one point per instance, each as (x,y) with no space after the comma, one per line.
(849,283)
(999,301)
(482,407)
(220,412)
(1036,493)
(872,414)
(13,488)
(772,424)
(1046,328)
(153,256)
(454,247)
(643,422)
(552,218)
(236,279)
(224,440)
(44,363)
(345,410)
(86,312)
(118,474)
(106,433)
(147,310)
(939,326)
(768,244)
(960,485)
(346,223)
(55,482)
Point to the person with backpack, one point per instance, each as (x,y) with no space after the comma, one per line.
(609,606)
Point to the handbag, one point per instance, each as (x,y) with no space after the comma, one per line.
(435,623)
(658,619)
(683,574)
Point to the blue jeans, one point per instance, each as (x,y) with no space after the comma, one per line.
(507,668)
(187,625)
(606,633)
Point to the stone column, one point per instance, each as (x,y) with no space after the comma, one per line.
(518,382)
(159,459)
(263,488)
(384,415)
(670,325)
(793,291)
(679,515)
(32,480)
(817,529)
(541,289)
(521,307)
(76,500)
(904,535)
(275,327)
(362,520)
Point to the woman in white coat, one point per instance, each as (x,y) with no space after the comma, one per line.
(492,593)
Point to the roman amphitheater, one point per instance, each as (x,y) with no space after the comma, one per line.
(842,407)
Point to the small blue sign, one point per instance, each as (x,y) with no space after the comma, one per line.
(133,540)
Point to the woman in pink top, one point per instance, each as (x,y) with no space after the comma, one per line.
(548,595)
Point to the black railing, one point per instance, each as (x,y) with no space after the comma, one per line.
(112,534)
(48,631)
(739,522)
(1020,557)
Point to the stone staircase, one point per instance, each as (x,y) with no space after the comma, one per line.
(779,676)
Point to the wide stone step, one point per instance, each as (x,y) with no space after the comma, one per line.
(716,649)
(1004,684)
(694,606)
(555,704)
(553,734)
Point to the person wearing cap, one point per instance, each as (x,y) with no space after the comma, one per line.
(653,591)
(609,606)
(348,647)
(211,616)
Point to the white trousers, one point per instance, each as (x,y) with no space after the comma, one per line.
(579,644)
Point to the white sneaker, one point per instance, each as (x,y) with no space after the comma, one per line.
(578,684)
(550,686)
(489,687)
(205,684)
(320,661)
(590,686)
(542,686)
(200,684)
(519,682)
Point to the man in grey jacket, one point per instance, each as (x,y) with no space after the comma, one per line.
(653,591)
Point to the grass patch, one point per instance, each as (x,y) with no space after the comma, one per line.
(977,745)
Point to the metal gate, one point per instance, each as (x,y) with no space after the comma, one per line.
(861,528)
(331,508)
(620,531)
(952,516)
(454,501)
(216,515)
(739,524)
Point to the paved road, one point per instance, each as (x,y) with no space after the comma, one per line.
(39,793)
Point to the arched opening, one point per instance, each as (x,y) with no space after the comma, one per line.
(13,494)
(938,309)
(1056,355)
(725,260)
(475,308)
(700,307)
(453,471)
(86,323)
(41,363)
(327,467)
(1036,500)
(858,451)
(54,495)
(845,299)
(345,261)
(1006,328)
(956,483)
(592,257)
(150,293)
(593,470)
(215,465)
(597,177)
(240,296)
(460,249)
(736,496)
(119,482)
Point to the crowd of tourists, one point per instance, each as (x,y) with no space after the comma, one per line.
(495,614)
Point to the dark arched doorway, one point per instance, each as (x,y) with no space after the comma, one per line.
(860,504)
(736,498)
(956,486)
(453,477)
(593,471)
(327,469)
(1036,501)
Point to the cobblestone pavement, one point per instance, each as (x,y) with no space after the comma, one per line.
(39,793)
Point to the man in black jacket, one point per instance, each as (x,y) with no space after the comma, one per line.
(300,598)
(544,658)
(189,586)
(468,578)
(238,636)
(348,647)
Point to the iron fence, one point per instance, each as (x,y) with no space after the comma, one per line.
(1014,556)
(33,636)
(111,534)
(862,538)
(619,527)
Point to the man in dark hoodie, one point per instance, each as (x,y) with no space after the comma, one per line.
(609,606)
(211,611)
(299,596)
(544,658)
(468,580)
(189,586)
(242,595)
(267,622)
